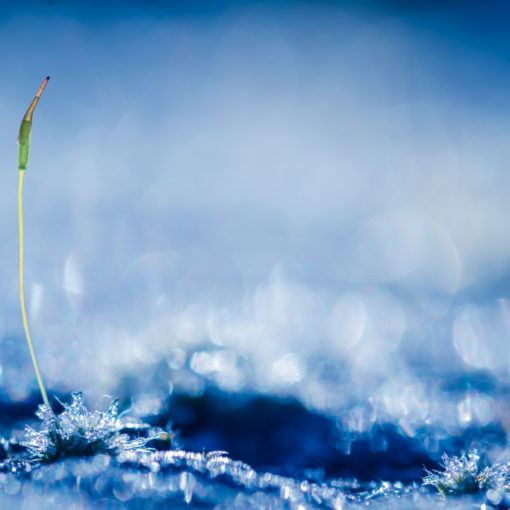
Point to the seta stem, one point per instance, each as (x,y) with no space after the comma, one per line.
(22,290)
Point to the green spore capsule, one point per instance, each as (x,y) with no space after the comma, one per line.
(24,144)
(26,129)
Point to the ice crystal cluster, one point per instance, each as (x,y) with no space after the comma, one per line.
(468,473)
(77,431)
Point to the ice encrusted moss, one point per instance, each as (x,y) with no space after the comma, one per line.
(468,473)
(80,432)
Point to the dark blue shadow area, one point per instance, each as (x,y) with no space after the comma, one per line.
(282,436)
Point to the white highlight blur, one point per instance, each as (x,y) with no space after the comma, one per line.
(73,279)
(398,245)
(480,335)
(36,299)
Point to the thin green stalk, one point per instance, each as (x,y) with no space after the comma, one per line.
(22,290)
(23,158)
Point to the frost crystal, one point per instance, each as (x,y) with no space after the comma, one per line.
(466,474)
(78,431)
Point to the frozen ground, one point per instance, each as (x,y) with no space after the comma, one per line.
(280,228)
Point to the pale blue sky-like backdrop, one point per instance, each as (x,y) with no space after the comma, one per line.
(279,180)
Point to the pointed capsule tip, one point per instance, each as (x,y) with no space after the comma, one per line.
(47,77)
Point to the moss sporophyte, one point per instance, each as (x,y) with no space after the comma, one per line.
(76,431)
(23,158)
